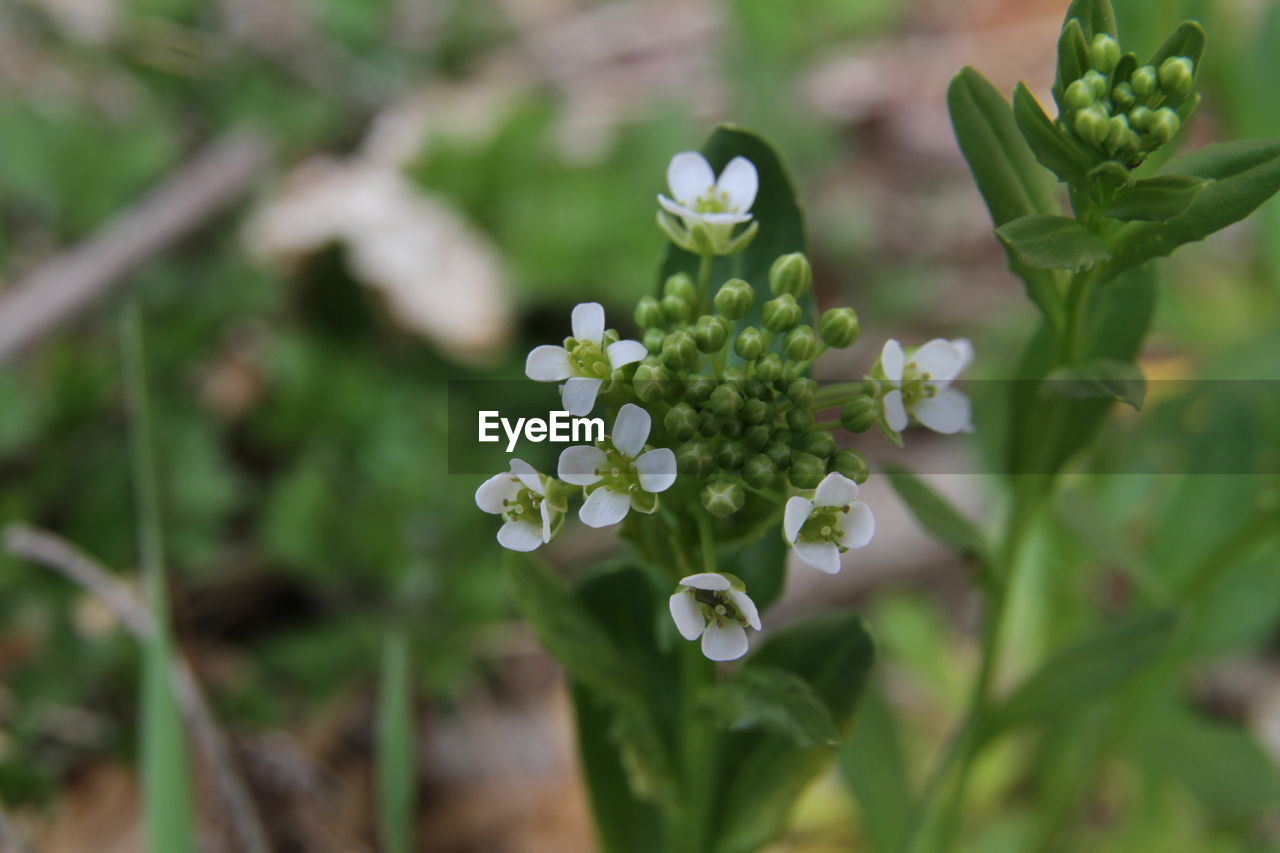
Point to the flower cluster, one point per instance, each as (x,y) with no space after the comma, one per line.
(717,413)
(1125,111)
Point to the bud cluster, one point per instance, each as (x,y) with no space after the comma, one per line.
(1123,110)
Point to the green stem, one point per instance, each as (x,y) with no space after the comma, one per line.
(704,281)
(698,741)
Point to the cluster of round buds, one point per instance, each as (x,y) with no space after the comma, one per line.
(1126,111)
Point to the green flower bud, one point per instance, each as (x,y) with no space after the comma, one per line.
(698,388)
(839,327)
(709,334)
(780,314)
(1164,124)
(730,427)
(733,373)
(725,401)
(708,424)
(750,344)
(1145,81)
(1123,96)
(1118,133)
(677,310)
(1104,53)
(801,391)
(695,459)
(680,286)
(779,453)
(649,313)
(653,338)
(1176,76)
(851,464)
(651,382)
(681,422)
(1078,96)
(731,455)
(1141,117)
(755,389)
(757,436)
(800,344)
(818,442)
(859,414)
(755,411)
(735,298)
(679,351)
(799,419)
(1097,83)
(806,470)
(1091,125)
(791,274)
(769,367)
(759,471)
(722,499)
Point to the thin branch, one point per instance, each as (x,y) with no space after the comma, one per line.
(53,552)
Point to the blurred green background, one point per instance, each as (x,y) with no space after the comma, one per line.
(445,179)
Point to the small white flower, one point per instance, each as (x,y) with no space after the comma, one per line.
(585,361)
(622,476)
(708,206)
(833,522)
(920,386)
(520,497)
(715,607)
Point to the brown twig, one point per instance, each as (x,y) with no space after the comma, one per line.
(55,292)
(53,552)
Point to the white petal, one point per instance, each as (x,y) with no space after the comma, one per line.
(746,607)
(622,353)
(894,412)
(547,363)
(546,521)
(631,429)
(677,209)
(578,464)
(707,580)
(740,182)
(687,615)
(724,642)
(858,526)
(587,322)
(947,412)
(528,475)
(965,348)
(824,556)
(689,175)
(579,394)
(892,360)
(494,491)
(519,536)
(657,469)
(939,359)
(797,513)
(724,218)
(835,490)
(604,507)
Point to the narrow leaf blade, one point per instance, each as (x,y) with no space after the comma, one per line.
(935,513)
(1157,199)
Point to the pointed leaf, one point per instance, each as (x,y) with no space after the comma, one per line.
(1101,378)
(1186,40)
(1095,16)
(1073,58)
(773,699)
(875,766)
(1157,199)
(1052,148)
(936,514)
(1052,243)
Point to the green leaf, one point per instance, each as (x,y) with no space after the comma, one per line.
(1157,199)
(1052,243)
(397,770)
(1095,16)
(775,209)
(761,773)
(1187,40)
(166,776)
(1244,174)
(1051,147)
(762,565)
(876,769)
(1073,58)
(1075,677)
(936,514)
(769,698)
(1102,378)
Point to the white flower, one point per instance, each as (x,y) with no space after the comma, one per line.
(833,522)
(708,208)
(715,607)
(920,386)
(585,361)
(520,497)
(623,477)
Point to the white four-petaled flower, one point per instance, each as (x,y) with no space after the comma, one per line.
(833,522)
(920,386)
(585,361)
(708,208)
(715,607)
(620,475)
(520,497)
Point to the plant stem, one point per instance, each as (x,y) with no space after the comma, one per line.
(704,281)
(697,737)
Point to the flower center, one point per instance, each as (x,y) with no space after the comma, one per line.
(713,201)
(717,606)
(618,474)
(586,358)
(526,506)
(824,525)
(916,386)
